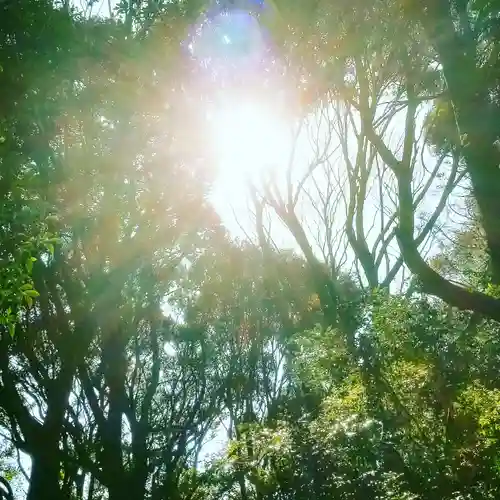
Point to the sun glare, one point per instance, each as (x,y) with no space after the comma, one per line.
(248,139)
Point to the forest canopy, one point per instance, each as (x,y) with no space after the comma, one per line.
(249,249)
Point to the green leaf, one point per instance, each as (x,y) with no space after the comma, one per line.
(32,293)
(12,329)
(29,264)
(9,475)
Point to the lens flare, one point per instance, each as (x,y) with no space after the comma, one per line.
(248,138)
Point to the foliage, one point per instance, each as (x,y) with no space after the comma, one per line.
(145,353)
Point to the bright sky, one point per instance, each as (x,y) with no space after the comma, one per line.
(248,119)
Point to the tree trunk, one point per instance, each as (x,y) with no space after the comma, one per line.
(45,471)
(139,473)
(46,461)
(476,116)
(117,478)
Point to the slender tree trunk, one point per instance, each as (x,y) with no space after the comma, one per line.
(46,460)
(139,476)
(117,479)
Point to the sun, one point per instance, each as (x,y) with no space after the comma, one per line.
(248,138)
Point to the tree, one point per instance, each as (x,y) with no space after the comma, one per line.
(415,437)
(122,237)
(360,67)
(464,36)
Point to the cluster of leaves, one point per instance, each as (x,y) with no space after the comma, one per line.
(428,428)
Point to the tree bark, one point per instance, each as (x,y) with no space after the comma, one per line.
(46,459)
(45,472)
(476,116)
(113,353)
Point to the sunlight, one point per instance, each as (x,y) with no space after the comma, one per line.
(249,139)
